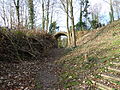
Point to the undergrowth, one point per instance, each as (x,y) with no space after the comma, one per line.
(17,45)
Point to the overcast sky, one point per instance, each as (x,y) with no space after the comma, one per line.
(104,13)
(60,17)
(104,4)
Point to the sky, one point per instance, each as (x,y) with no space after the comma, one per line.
(60,17)
(104,13)
(105,6)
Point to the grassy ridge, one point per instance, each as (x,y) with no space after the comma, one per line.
(95,49)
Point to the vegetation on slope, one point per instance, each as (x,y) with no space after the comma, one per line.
(95,50)
(22,55)
(24,45)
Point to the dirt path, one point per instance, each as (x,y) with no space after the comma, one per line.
(47,78)
(39,74)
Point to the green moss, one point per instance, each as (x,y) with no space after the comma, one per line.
(97,76)
(105,58)
(117,82)
(71,84)
(38,86)
(117,42)
(89,82)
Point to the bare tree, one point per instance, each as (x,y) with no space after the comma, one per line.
(17,6)
(72,22)
(47,18)
(52,10)
(67,18)
(95,11)
(11,16)
(116,5)
(3,13)
(31,13)
(43,15)
(111,13)
(26,17)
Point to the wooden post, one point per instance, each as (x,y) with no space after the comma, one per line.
(86,57)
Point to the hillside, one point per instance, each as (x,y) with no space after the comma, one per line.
(95,63)
(22,55)
(29,61)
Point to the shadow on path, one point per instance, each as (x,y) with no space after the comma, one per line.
(47,78)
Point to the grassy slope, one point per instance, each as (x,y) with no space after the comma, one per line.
(100,46)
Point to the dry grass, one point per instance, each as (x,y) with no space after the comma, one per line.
(100,45)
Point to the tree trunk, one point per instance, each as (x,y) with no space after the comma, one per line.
(17,6)
(51,18)
(112,12)
(68,31)
(81,27)
(3,16)
(47,22)
(31,13)
(26,18)
(43,16)
(73,27)
(11,20)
